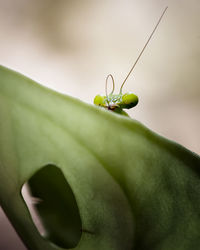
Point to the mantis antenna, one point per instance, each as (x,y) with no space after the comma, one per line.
(106,87)
(143,49)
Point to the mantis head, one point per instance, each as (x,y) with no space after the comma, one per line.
(122,101)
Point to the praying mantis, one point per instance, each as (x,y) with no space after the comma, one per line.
(118,102)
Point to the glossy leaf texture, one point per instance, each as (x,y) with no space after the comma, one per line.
(134,189)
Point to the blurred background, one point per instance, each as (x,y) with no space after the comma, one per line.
(71,46)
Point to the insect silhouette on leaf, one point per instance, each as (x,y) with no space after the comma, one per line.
(118,102)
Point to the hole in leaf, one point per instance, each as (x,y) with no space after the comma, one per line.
(53,207)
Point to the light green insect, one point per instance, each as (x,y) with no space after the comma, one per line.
(118,102)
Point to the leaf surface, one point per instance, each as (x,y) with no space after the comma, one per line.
(133,188)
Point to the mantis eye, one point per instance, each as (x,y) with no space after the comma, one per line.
(129,100)
(99,100)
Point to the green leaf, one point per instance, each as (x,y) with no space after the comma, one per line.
(132,188)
